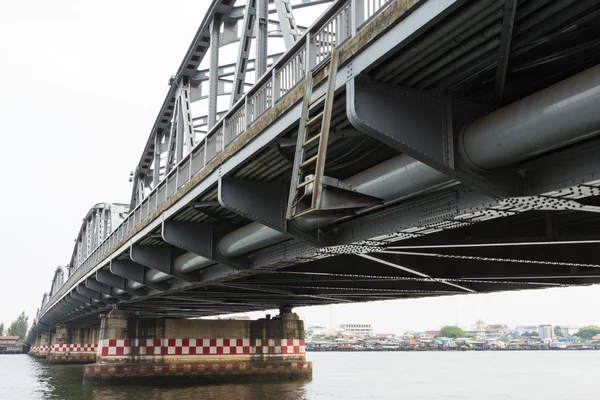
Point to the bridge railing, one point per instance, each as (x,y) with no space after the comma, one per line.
(332,28)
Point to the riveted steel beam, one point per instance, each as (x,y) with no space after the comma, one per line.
(159,258)
(243,51)
(265,203)
(88,293)
(135,272)
(423,125)
(85,301)
(93,284)
(508,22)
(200,239)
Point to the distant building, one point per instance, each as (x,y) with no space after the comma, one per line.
(315,331)
(358,329)
(9,339)
(568,330)
(237,318)
(408,335)
(424,336)
(432,333)
(496,331)
(480,328)
(385,335)
(546,332)
(527,329)
(9,344)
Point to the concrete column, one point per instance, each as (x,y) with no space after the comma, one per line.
(44,345)
(73,346)
(130,349)
(33,350)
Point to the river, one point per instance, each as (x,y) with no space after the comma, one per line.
(548,375)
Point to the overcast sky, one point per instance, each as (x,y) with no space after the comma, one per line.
(81,83)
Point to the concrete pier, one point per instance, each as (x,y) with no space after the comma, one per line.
(139,350)
(73,346)
(42,345)
(33,349)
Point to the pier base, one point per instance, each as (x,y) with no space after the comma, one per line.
(152,350)
(34,347)
(196,372)
(73,346)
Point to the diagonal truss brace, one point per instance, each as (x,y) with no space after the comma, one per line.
(508,22)
(244,51)
(412,271)
(289,29)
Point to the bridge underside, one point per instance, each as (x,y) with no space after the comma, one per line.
(455,237)
(532,250)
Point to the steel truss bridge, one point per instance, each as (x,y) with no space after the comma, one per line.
(462,157)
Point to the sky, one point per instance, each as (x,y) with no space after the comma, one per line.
(81,84)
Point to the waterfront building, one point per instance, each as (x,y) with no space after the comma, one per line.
(408,335)
(480,328)
(10,344)
(496,330)
(385,336)
(568,330)
(358,329)
(546,332)
(315,331)
(523,329)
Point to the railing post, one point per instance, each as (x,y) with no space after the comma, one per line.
(223,136)
(246,114)
(311,54)
(275,88)
(205,150)
(358,14)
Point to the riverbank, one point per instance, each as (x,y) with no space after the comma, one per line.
(435,346)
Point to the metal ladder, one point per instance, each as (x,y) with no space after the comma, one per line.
(304,184)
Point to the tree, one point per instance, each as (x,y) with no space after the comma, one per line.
(451,331)
(557,331)
(19,327)
(588,332)
(2,329)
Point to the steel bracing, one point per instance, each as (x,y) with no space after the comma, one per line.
(462,157)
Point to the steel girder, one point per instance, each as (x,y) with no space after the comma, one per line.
(425,126)
(264,202)
(201,239)
(135,272)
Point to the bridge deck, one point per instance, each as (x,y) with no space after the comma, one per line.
(381,253)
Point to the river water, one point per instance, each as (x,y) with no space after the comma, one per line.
(548,375)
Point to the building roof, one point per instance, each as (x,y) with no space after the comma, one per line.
(9,338)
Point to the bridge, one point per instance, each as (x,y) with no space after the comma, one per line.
(391,149)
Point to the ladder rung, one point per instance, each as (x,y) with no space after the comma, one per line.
(313,119)
(306,182)
(309,161)
(304,212)
(319,97)
(312,139)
